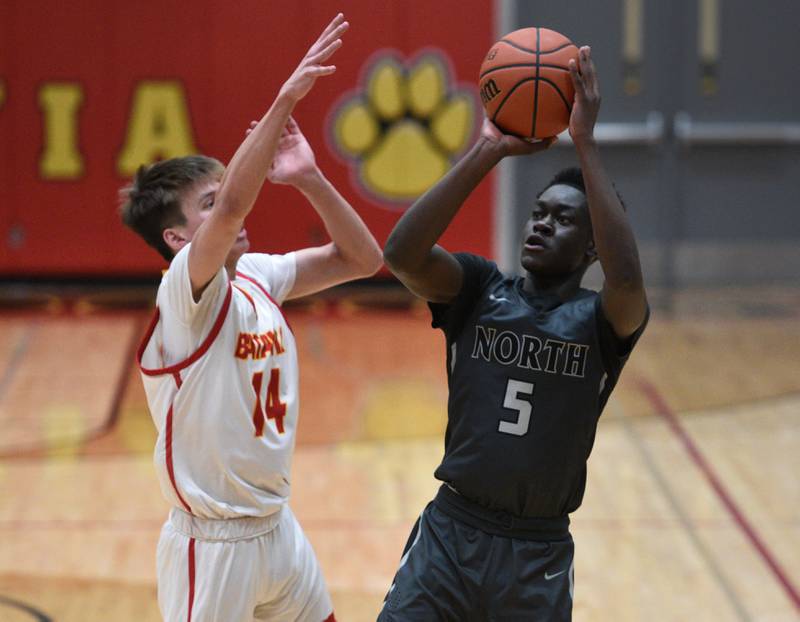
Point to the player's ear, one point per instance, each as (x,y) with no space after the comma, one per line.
(591,252)
(174,239)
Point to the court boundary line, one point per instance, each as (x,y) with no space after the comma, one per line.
(108,422)
(686,522)
(716,410)
(19,605)
(673,423)
(20,349)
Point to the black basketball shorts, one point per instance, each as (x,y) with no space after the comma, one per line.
(455,572)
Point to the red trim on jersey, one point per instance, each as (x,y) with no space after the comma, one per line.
(330,618)
(248,296)
(191,579)
(170,469)
(266,293)
(223,312)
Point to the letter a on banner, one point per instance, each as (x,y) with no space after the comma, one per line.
(159,126)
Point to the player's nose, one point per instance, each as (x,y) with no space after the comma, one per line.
(543,226)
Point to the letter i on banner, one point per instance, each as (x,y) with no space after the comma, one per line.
(60,103)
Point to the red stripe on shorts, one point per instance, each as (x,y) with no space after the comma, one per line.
(191,579)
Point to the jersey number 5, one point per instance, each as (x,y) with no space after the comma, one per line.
(512,401)
(275,408)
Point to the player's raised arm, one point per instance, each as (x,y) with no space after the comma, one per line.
(352,252)
(247,169)
(411,251)
(623,295)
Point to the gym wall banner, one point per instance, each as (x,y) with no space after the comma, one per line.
(91,90)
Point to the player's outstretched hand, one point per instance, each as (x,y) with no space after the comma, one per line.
(587,95)
(310,68)
(294,162)
(509,145)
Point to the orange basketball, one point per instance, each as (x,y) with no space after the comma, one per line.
(525,84)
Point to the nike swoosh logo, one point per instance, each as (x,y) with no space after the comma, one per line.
(496,299)
(548,576)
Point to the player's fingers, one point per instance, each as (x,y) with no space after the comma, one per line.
(586,66)
(292,126)
(592,83)
(583,56)
(577,80)
(588,75)
(547,143)
(325,53)
(334,34)
(326,40)
(336,21)
(321,70)
(539,144)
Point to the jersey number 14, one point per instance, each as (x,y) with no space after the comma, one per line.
(275,408)
(512,401)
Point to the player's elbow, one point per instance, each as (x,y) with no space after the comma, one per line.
(389,257)
(396,259)
(363,264)
(372,260)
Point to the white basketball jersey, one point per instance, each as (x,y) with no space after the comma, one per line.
(221,380)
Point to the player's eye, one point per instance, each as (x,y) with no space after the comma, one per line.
(564,220)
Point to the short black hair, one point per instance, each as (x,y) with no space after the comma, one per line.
(570,176)
(573,176)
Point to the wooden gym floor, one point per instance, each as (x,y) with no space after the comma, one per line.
(692,509)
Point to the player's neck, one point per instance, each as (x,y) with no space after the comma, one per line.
(230,268)
(560,287)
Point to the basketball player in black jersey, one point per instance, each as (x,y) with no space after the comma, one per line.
(531,362)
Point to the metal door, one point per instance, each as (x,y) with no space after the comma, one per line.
(699,128)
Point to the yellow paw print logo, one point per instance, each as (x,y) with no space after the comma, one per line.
(402,129)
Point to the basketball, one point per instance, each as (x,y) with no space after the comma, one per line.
(525,84)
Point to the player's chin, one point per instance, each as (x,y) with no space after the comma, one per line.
(539,265)
(535,263)
(241,246)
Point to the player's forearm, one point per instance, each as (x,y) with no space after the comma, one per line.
(426,220)
(613,235)
(353,240)
(248,167)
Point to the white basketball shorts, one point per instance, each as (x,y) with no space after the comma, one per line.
(239,570)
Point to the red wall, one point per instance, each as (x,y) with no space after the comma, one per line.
(230,59)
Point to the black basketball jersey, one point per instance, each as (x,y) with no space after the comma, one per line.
(528,378)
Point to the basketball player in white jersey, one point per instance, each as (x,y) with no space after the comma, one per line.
(219,365)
